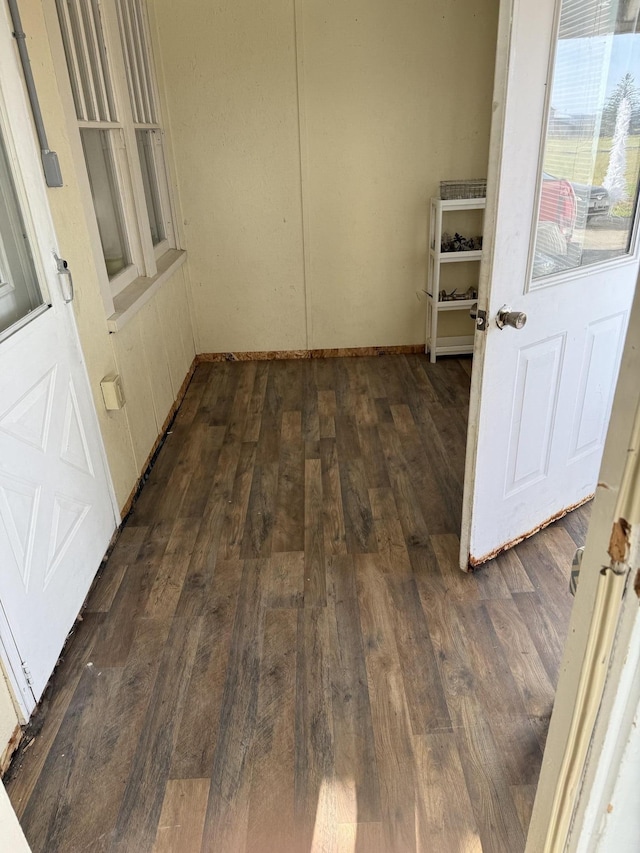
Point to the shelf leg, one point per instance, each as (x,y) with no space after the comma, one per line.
(433,337)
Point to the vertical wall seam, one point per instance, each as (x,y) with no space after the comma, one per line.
(175,185)
(303,169)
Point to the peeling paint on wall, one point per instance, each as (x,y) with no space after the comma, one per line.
(619,542)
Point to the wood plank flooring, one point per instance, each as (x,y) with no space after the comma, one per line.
(281,655)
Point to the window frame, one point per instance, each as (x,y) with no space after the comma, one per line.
(125,293)
(561,277)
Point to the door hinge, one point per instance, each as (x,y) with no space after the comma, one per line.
(27,675)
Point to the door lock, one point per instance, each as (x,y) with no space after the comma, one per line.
(479,316)
(507,317)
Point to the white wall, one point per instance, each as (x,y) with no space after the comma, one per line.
(621,832)
(309,137)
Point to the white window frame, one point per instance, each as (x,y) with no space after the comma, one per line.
(125,293)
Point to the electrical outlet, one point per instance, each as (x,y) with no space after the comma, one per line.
(112,392)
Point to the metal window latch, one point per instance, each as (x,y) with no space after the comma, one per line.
(66,279)
(479,316)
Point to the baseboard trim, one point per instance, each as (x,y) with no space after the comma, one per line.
(341,352)
(126,509)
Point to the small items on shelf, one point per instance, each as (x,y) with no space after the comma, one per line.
(452,284)
(458,243)
(454,296)
(454,190)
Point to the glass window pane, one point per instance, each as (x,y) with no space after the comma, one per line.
(592,152)
(106,199)
(19,289)
(149,179)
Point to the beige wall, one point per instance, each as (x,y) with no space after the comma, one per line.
(154,351)
(319,130)
(230,82)
(11,835)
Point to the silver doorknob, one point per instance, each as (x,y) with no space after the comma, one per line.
(507,317)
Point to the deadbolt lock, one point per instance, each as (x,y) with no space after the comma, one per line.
(479,316)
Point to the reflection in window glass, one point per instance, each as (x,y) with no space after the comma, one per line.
(592,151)
(106,199)
(19,289)
(145,139)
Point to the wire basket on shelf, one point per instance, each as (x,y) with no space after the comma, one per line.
(450,190)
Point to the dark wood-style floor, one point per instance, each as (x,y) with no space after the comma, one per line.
(282,654)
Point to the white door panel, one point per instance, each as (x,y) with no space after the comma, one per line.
(598,374)
(546,407)
(541,395)
(57,512)
(51,501)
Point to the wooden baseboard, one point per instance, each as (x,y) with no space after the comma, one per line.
(126,509)
(7,753)
(341,352)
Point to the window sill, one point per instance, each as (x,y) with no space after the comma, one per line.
(129,301)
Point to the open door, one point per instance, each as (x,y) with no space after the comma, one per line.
(560,266)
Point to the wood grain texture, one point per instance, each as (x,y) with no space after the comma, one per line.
(355,754)
(281,655)
(449,821)
(182,817)
(271,825)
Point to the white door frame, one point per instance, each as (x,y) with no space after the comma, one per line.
(597,688)
(12,664)
(24,160)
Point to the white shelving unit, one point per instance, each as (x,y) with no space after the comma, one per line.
(447,345)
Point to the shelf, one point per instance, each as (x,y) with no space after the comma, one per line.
(453,304)
(462,345)
(462,203)
(463,279)
(457,257)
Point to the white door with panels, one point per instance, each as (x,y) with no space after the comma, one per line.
(560,265)
(57,512)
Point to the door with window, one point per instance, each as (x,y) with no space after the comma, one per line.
(559,276)
(57,512)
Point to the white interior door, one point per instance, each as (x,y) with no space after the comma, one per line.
(561,248)
(56,508)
